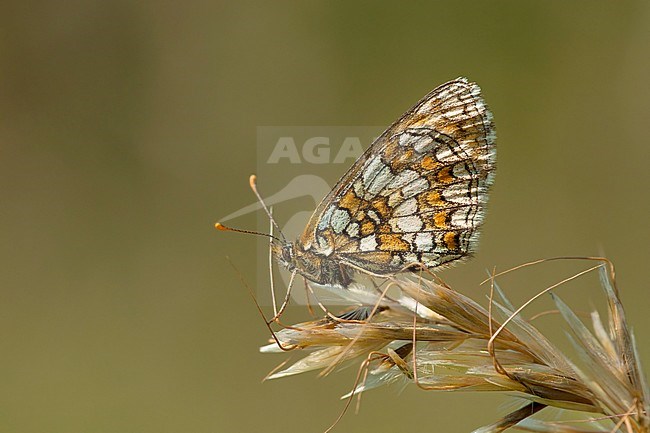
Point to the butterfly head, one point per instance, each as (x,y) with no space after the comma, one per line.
(285,254)
(293,257)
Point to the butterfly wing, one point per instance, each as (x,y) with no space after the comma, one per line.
(418,194)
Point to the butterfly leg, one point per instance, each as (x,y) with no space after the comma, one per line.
(374,309)
(319,303)
(286,300)
(307,297)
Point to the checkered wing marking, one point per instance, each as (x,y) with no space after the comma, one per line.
(417,195)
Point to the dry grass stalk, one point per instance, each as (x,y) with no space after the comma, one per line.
(460,345)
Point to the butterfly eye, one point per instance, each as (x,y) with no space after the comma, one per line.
(287,253)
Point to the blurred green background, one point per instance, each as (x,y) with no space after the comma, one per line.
(127,128)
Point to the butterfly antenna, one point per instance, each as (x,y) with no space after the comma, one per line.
(252,180)
(272,283)
(224,228)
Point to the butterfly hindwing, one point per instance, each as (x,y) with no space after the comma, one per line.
(417,195)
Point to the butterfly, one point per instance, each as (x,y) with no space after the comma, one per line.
(416,197)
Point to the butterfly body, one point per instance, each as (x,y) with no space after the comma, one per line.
(415,197)
(313,265)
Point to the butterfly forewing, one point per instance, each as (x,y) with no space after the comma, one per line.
(417,195)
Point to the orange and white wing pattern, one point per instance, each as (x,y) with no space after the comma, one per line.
(417,196)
